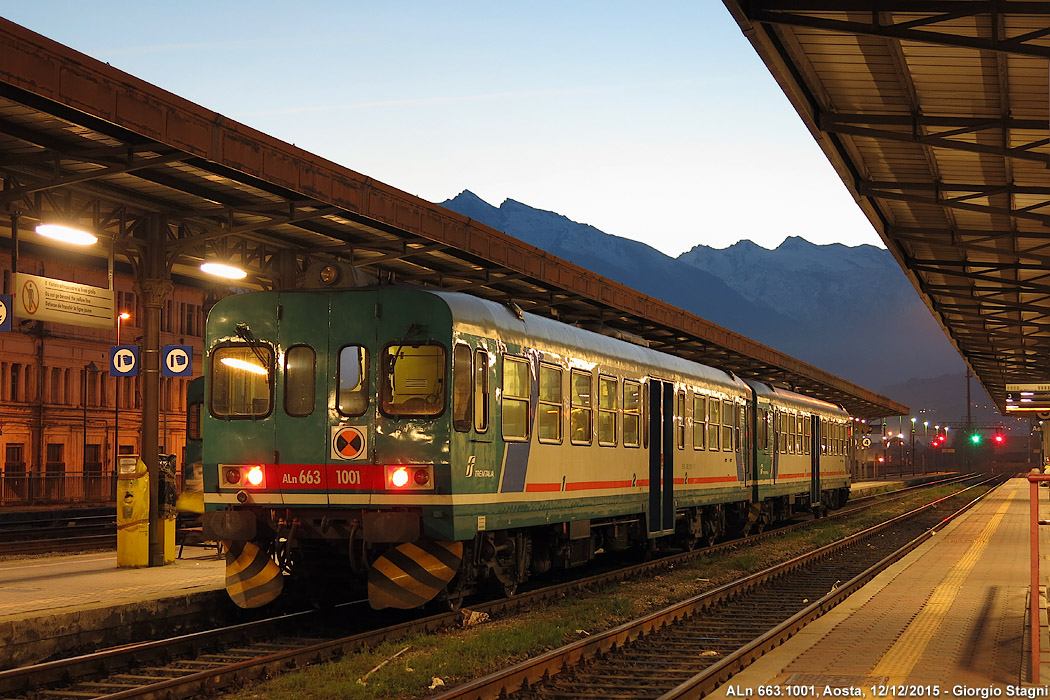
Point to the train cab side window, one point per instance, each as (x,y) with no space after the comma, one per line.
(517,388)
(413,380)
(580,420)
(632,412)
(352,399)
(481,391)
(714,427)
(300,380)
(548,420)
(462,387)
(607,410)
(699,421)
(728,427)
(240,381)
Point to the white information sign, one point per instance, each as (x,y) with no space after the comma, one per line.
(46,299)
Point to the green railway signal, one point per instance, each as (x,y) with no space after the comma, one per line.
(975,438)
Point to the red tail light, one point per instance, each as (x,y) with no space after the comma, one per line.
(409,477)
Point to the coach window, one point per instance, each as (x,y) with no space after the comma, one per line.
(679,420)
(481,391)
(462,387)
(823,436)
(714,427)
(580,411)
(517,387)
(300,372)
(728,418)
(414,380)
(607,392)
(353,381)
(807,434)
(632,413)
(783,422)
(548,420)
(240,381)
(798,435)
(699,421)
(762,432)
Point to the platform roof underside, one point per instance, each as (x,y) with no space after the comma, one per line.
(85,140)
(935,116)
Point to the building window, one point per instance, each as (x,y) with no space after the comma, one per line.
(548,420)
(517,387)
(580,411)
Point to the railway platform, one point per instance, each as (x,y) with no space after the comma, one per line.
(54,604)
(948,620)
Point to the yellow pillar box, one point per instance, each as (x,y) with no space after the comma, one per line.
(132,512)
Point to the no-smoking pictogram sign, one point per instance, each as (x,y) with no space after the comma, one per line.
(348,442)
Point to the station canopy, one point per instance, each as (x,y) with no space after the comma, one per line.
(934,113)
(82,140)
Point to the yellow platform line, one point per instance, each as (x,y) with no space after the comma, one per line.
(899,661)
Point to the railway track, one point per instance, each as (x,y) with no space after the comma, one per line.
(64,534)
(199,663)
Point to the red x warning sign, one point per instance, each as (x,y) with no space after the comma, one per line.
(348,442)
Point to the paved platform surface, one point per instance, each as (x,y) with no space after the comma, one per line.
(948,620)
(47,585)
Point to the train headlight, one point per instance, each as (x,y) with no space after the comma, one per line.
(233,476)
(421,477)
(399,478)
(255,476)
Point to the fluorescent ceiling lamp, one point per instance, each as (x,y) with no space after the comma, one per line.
(241,364)
(67,234)
(227,271)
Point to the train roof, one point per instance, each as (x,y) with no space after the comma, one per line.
(794,400)
(511,324)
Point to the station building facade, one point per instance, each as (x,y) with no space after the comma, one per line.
(63,419)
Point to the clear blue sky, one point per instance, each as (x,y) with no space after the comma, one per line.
(654,121)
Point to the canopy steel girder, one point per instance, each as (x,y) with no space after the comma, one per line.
(931,22)
(934,115)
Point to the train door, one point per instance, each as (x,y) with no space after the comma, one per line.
(765,439)
(349,387)
(300,397)
(661,457)
(814,461)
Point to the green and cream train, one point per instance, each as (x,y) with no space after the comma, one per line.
(424,443)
